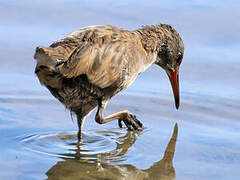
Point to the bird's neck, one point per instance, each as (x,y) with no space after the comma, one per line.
(153,36)
(150,41)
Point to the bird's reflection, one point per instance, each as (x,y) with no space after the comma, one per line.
(82,166)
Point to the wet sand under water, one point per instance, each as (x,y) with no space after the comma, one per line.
(200,141)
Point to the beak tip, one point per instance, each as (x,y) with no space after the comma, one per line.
(173,77)
(177,106)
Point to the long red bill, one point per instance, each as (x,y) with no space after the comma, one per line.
(173,77)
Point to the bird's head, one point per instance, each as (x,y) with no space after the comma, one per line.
(169,57)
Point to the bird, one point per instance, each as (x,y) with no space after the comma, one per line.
(89,66)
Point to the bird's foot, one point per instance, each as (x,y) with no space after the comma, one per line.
(131,122)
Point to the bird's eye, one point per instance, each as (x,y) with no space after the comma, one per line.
(59,62)
(179,59)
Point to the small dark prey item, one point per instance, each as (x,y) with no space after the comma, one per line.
(85,69)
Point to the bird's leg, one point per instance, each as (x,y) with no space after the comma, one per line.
(129,119)
(80,121)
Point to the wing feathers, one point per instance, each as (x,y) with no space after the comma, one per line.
(100,55)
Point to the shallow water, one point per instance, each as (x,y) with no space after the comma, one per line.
(38,137)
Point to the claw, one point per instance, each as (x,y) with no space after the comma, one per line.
(131,123)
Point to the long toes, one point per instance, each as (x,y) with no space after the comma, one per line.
(128,124)
(131,123)
(137,123)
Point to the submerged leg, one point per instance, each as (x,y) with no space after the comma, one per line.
(80,121)
(129,119)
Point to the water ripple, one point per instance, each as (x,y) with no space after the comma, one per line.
(109,145)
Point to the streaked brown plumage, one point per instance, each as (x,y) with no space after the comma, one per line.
(89,66)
